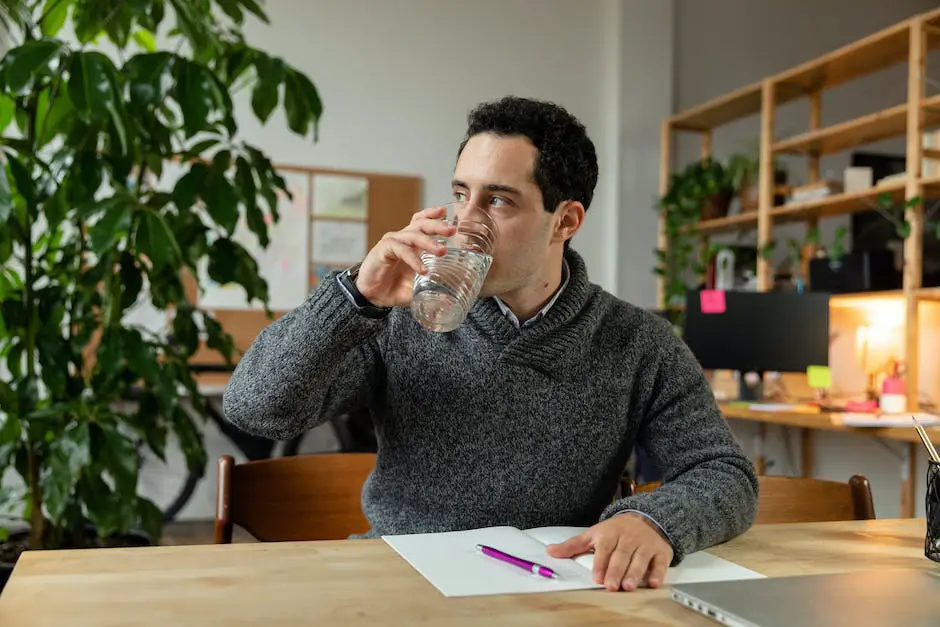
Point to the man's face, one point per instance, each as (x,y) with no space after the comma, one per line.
(495,174)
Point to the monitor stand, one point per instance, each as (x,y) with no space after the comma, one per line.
(751,391)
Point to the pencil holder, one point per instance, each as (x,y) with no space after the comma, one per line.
(932,545)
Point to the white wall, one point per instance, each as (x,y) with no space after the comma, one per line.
(725,44)
(647,56)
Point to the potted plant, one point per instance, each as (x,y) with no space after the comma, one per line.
(87,230)
(701,191)
(743,171)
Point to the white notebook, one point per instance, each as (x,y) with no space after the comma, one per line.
(452,564)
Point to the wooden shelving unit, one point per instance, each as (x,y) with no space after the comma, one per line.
(905,42)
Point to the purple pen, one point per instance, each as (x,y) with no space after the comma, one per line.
(532,567)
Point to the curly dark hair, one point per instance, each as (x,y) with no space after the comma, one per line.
(566,166)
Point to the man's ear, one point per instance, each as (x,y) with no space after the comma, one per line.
(569,217)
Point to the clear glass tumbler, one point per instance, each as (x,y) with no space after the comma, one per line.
(442,297)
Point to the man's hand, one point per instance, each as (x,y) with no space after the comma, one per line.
(628,549)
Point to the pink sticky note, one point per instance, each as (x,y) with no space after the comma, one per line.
(712,301)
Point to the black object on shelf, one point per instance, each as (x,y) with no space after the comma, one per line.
(858,271)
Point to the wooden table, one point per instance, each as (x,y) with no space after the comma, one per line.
(364,582)
(809,422)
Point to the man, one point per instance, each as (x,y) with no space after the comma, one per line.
(527,413)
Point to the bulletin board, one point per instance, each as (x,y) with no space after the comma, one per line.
(333,219)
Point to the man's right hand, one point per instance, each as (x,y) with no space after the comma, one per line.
(386,276)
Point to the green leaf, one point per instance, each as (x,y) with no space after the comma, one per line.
(264,96)
(232,9)
(255,8)
(938,230)
(245,182)
(190,441)
(132,280)
(104,506)
(295,104)
(23,180)
(90,19)
(903,229)
(185,331)
(151,518)
(154,239)
(112,226)
(313,103)
(223,259)
(188,186)
(145,40)
(150,77)
(217,339)
(7,109)
(195,93)
(68,454)
(55,14)
(11,429)
(56,118)
(30,62)
(221,202)
(6,198)
(120,458)
(89,85)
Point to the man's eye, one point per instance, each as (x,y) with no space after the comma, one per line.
(497,201)
(460,196)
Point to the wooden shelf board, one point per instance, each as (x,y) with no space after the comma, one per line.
(854,296)
(931,184)
(879,50)
(867,129)
(728,224)
(740,103)
(828,207)
(927,293)
(836,204)
(932,18)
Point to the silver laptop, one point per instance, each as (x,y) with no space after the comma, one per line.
(872,598)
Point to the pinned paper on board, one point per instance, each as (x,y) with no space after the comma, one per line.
(339,242)
(819,377)
(712,301)
(340,196)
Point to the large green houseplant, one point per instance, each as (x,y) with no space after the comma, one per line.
(92,110)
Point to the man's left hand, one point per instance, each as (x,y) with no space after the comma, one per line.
(628,549)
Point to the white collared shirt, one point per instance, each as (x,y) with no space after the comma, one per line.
(565,273)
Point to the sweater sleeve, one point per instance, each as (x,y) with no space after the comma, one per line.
(318,360)
(709,486)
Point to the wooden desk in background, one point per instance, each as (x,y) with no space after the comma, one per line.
(809,422)
(359,582)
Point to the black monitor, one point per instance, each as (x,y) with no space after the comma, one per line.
(759,331)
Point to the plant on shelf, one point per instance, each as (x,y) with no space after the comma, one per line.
(743,171)
(895,212)
(91,123)
(698,192)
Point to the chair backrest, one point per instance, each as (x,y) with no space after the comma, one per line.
(303,497)
(795,499)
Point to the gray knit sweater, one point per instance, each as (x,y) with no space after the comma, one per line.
(492,425)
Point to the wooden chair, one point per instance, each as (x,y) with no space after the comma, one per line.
(794,499)
(303,497)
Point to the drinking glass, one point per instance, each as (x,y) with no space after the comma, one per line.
(442,297)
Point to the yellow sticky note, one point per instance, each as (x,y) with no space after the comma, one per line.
(819,377)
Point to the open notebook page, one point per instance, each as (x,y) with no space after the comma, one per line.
(696,567)
(452,564)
